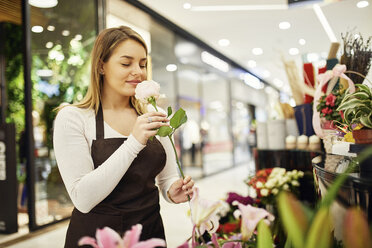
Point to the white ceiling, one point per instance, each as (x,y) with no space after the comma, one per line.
(247,29)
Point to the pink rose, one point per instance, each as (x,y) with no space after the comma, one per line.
(147,90)
(330,100)
(327,111)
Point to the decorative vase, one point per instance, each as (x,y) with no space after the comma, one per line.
(363,136)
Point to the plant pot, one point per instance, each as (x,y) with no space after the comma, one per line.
(363,136)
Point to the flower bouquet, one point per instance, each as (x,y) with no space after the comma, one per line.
(267,183)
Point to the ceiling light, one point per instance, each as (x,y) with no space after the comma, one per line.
(252,81)
(171,67)
(251,63)
(223,42)
(49,44)
(37,29)
(362,4)
(65,33)
(302,42)
(257,51)
(284,25)
(323,20)
(212,60)
(51,28)
(43,3)
(187,6)
(239,7)
(278,83)
(293,51)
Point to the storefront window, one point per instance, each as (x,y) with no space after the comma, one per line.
(218,145)
(61,41)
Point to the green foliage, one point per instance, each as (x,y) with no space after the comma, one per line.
(264,238)
(315,231)
(178,118)
(357,107)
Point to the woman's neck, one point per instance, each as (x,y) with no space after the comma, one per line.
(115,102)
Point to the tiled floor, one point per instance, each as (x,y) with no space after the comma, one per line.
(177,224)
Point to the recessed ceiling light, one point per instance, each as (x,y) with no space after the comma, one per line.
(51,28)
(251,63)
(293,51)
(302,42)
(187,6)
(362,4)
(37,29)
(257,51)
(171,67)
(43,3)
(223,42)
(284,25)
(49,44)
(65,33)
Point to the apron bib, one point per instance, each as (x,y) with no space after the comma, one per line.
(134,200)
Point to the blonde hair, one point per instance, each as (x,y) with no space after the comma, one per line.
(104,45)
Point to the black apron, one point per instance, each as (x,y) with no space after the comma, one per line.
(134,200)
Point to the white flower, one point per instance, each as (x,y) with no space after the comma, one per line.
(270,183)
(285,187)
(295,183)
(275,191)
(259,185)
(147,89)
(278,171)
(300,174)
(264,192)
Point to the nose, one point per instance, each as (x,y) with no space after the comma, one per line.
(136,70)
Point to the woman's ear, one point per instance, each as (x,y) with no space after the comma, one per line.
(101,70)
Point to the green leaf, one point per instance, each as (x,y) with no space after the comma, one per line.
(352,103)
(319,235)
(178,118)
(169,111)
(364,88)
(164,131)
(264,238)
(294,218)
(366,120)
(355,222)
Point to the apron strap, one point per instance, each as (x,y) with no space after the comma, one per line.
(100,133)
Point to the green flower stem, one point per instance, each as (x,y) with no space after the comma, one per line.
(178,161)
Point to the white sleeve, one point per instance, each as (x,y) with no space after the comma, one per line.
(170,172)
(87,187)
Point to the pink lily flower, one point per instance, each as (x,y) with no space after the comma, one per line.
(108,238)
(204,213)
(250,218)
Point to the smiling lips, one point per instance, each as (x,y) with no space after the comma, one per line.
(133,82)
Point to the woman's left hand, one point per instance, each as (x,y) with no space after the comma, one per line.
(180,189)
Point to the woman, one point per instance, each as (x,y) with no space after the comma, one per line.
(106,160)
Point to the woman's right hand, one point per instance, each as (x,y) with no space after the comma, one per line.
(147,125)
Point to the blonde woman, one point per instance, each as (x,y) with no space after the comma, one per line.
(109,166)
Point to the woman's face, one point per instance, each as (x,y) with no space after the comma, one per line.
(125,68)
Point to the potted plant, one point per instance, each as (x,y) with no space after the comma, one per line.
(357,113)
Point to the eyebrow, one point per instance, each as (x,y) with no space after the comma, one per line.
(130,57)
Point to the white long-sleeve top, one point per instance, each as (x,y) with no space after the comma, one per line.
(74,131)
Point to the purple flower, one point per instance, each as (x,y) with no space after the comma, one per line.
(241,199)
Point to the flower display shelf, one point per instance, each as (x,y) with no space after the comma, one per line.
(291,160)
(356,191)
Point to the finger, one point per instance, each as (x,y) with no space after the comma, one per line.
(186,179)
(157,119)
(151,114)
(155,125)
